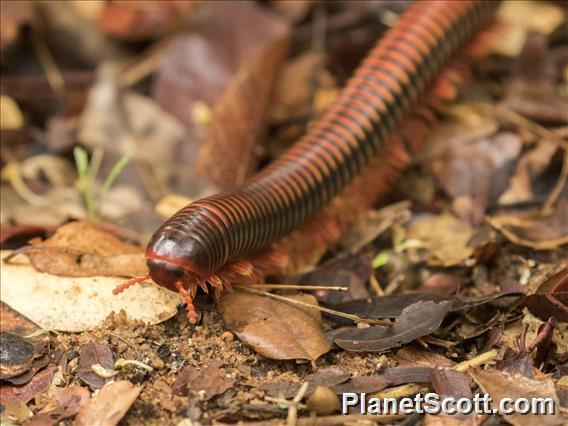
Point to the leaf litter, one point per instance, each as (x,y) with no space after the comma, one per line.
(465,256)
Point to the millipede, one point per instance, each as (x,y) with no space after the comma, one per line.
(203,245)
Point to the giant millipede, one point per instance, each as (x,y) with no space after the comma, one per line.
(203,243)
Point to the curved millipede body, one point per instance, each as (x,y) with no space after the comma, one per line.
(200,239)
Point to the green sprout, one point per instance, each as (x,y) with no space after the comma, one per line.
(87,174)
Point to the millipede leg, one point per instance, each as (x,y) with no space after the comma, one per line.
(191,312)
(121,287)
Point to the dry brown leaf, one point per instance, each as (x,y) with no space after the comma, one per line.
(474,174)
(217,81)
(66,403)
(90,354)
(40,383)
(444,236)
(501,385)
(273,328)
(82,249)
(533,229)
(77,304)
(109,405)
(209,381)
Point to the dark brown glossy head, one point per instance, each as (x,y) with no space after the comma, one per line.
(174,257)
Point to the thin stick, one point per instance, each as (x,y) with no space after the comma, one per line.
(296,287)
(351,317)
(293,407)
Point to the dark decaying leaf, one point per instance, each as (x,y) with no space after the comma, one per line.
(66,403)
(40,383)
(90,354)
(550,298)
(416,320)
(21,352)
(449,382)
(109,405)
(391,306)
(402,375)
(217,80)
(352,272)
(16,236)
(275,329)
(501,385)
(516,362)
(362,384)
(81,249)
(210,380)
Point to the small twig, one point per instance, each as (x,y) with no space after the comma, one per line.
(483,358)
(351,317)
(293,407)
(12,173)
(47,62)
(297,287)
(375,285)
(121,363)
(506,114)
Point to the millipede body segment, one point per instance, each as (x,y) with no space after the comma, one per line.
(200,240)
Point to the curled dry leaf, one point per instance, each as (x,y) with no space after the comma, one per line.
(109,405)
(208,381)
(416,320)
(23,349)
(501,385)
(66,403)
(217,81)
(82,249)
(77,304)
(273,328)
(551,297)
(533,228)
(530,166)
